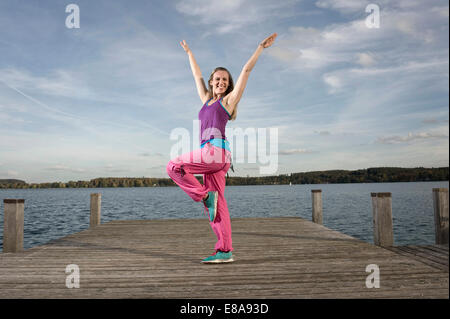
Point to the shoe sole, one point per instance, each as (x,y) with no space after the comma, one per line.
(218,261)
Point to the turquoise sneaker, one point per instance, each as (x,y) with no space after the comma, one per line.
(211,204)
(219,258)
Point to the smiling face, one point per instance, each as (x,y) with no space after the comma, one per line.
(219,82)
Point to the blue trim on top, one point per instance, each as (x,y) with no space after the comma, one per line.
(220,102)
(229,115)
(217,142)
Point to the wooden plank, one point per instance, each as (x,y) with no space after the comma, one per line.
(275,258)
(425,254)
(438,249)
(431,254)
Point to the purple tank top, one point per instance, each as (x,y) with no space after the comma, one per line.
(213,120)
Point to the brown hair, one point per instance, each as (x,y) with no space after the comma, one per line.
(229,88)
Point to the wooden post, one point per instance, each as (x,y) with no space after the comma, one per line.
(316,206)
(440,203)
(96,202)
(382,219)
(13,225)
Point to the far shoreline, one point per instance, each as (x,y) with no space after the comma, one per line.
(361,176)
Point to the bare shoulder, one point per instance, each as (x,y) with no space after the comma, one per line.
(205,98)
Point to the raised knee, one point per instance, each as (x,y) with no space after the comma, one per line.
(169,167)
(173,168)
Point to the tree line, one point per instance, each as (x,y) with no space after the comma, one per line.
(370,175)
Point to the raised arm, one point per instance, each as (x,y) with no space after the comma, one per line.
(233,98)
(199,82)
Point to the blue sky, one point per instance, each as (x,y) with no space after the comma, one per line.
(102,100)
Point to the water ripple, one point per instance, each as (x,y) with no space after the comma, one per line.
(54,213)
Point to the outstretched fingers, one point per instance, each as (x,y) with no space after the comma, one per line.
(184,45)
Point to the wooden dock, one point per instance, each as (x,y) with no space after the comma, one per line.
(282,257)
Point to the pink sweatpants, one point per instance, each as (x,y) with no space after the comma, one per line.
(213,162)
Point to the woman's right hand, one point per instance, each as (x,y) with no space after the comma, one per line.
(267,42)
(185,46)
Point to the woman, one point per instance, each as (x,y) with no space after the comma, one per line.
(213,159)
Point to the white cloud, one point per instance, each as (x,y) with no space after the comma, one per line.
(323,133)
(82,118)
(382,84)
(11,173)
(284,55)
(110,168)
(8,119)
(434,120)
(234,15)
(395,78)
(345,6)
(333,81)
(294,151)
(441,10)
(365,59)
(358,6)
(406,34)
(411,137)
(58,82)
(64,168)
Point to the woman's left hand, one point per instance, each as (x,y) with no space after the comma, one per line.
(267,42)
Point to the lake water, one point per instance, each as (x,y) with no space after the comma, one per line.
(54,213)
